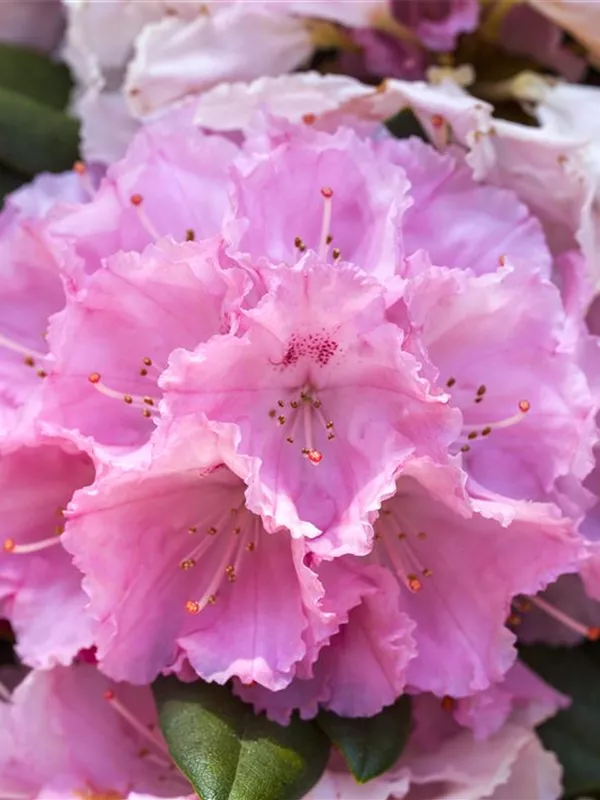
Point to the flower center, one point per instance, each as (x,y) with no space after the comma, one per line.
(306,411)
(235,534)
(396,549)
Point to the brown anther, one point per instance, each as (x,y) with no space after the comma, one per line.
(147,361)
(524,406)
(212,600)
(212,531)
(327,192)
(298,242)
(381,87)
(190,236)
(486,431)
(109,694)
(450,382)
(302,248)
(94,377)
(149,401)
(465,448)
(305,451)
(402,536)
(472,435)
(482,390)
(329,425)
(478,399)
(289,439)
(328,239)
(192,529)
(294,404)
(187,563)
(128,399)
(336,252)
(317,404)
(29,361)
(413,583)
(272,413)
(250,547)
(309,119)
(146,413)
(143,752)
(79,168)
(59,530)
(143,372)
(330,436)
(427,573)
(237,530)
(136,199)
(41,373)
(281,404)
(281,419)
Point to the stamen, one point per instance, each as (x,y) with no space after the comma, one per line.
(79,168)
(137,201)
(407,564)
(135,723)
(591,633)
(10,546)
(336,253)
(324,239)
(485,428)
(129,399)
(27,352)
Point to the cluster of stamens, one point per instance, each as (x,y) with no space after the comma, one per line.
(146,403)
(31,358)
(481,430)
(303,410)
(326,237)
(243,539)
(403,560)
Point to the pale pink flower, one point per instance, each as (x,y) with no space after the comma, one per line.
(453,572)
(197,575)
(71,732)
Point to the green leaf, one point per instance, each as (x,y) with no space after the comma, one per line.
(370,745)
(29,73)
(405,124)
(230,753)
(9,181)
(35,138)
(573,734)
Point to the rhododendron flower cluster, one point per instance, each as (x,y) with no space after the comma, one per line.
(289,403)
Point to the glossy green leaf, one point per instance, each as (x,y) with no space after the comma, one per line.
(35,138)
(32,74)
(573,734)
(370,745)
(230,753)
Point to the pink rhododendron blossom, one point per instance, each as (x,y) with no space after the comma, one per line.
(212,573)
(429,544)
(321,400)
(72,733)
(31,289)
(580,19)
(40,590)
(116,333)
